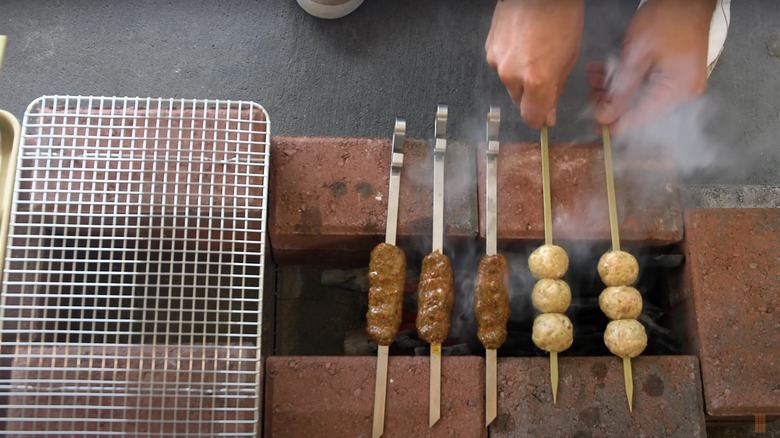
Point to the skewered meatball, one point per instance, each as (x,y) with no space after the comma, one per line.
(618,268)
(625,337)
(621,302)
(548,261)
(551,295)
(553,332)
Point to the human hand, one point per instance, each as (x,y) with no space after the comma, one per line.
(663,64)
(534,45)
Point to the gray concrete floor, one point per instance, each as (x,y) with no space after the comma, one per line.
(353,76)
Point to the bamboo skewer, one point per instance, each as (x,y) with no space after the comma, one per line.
(554,374)
(440,147)
(628,380)
(380,390)
(548,240)
(613,221)
(3,39)
(491,248)
(613,227)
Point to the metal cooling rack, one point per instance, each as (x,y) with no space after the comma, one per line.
(132,287)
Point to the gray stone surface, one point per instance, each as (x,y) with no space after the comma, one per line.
(724,196)
(353,76)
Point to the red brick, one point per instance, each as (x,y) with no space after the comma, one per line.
(334,396)
(329,195)
(648,199)
(175,390)
(732,288)
(592,399)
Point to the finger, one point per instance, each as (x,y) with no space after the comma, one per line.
(536,104)
(489,50)
(491,60)
(552,116)
(596,67)
(625,84)
(596,80)
(596,96)
(515,93)
(657,99)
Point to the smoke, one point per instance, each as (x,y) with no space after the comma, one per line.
(697,133)
(698,136)
(465,262)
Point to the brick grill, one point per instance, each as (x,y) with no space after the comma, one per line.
(651,218)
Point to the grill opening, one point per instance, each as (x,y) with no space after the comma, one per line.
(313,284)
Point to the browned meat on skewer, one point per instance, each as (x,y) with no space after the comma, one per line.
(386,277)
(435,297)
(491,300)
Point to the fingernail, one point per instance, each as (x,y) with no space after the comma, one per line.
(551,117)
(605,113)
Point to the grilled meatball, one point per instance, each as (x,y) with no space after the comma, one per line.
(625,337)
(386,276)
(553,332)
(491,300)
(435,296)
(618,268)
(551,296)
(548,261)
(621,302)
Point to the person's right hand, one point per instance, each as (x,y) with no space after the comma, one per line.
(534,44)
(663,64)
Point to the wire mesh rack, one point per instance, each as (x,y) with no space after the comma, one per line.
(132,287)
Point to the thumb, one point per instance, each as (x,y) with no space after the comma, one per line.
(623,86)
(655,99)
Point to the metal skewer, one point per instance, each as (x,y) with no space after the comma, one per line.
(548,240)
(434,407)
(613,227)
(491,244)
(380,391)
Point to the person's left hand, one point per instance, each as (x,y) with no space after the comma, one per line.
(663,64)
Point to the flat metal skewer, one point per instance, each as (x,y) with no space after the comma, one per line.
(614,230)
(548,240)
(380,390)
(491,248)
(434,407)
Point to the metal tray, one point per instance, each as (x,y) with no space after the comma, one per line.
(132,299)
